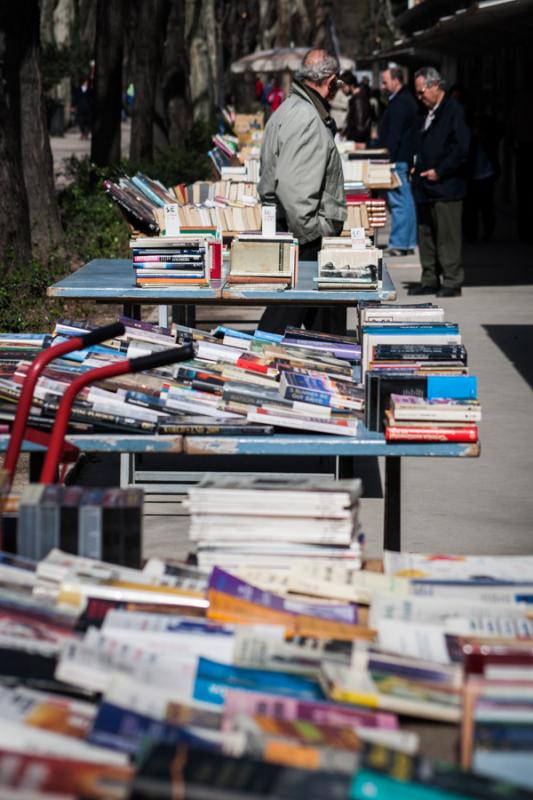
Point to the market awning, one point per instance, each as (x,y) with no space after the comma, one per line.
(280,59)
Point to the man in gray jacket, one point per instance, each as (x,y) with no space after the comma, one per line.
(301,173)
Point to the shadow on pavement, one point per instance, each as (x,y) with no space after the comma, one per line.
(516,343)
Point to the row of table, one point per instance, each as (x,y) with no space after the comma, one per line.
(113,281)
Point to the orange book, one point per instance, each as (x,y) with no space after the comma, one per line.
(226,608)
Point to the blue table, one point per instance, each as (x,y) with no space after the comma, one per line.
(345,448)
(109,280)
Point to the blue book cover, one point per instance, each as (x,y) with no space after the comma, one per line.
(124,730)
(221,330)
(460,387)
(266,336)
(213,679)
(144,189)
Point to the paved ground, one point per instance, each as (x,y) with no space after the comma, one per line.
(470,505)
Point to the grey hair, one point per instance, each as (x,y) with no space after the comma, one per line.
(431,76)
(320,69)
(396,73)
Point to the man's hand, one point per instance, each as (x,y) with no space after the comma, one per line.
(430,174)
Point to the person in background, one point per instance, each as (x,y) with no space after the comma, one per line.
(83,106)
(275,96)
(439,186)
(259,89)
(301,173)
(359,116)
(395,132)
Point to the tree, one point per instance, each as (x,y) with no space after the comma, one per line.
(26,169)
(107,101)
(148,55)
(37,160)
(175,98)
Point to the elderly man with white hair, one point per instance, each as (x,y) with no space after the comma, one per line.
(439,186)
(301,173)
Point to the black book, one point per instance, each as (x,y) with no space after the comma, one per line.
(213,429)
(130,544)
(420,352)
(378,389)
(317,336)
(168,771)
(70,509)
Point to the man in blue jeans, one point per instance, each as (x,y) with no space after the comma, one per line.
(395,131)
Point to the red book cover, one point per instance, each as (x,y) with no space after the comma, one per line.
(413,433)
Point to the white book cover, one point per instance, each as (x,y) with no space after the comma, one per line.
(388,605)
(313,425)
(20,738)
(459,567)
(342,582)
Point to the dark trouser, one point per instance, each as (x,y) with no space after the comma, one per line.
(439,238)
(327,319)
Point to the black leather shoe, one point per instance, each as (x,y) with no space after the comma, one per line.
(420,288)
(395,251)
(410,251)
(448,292)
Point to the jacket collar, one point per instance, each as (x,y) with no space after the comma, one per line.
(321,105)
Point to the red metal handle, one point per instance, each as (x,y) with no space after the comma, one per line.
(152,361)
(37,366)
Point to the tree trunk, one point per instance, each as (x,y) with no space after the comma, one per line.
(202,47)
(149,44)
(38,165)
(175,98)
(15,238)
(107,104)
(240,36)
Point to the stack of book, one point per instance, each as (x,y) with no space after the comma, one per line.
(231,386)
(229,205)
(259,259)
(415,373)
(171,261)
(104,524)
(226,190)
(377,212)
(341,265)
(433,419)
(292,683)
(264,522)
(224,215)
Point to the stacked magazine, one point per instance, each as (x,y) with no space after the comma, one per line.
(119,682)
(231,386)
(264,522)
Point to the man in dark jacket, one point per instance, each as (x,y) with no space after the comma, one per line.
(439,186)
(395,131)
(359,115)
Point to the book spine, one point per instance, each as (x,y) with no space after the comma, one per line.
(406,434)
(307,396)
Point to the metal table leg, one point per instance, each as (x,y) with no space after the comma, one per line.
(132,310)
(393,500)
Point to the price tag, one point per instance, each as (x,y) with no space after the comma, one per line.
(268,220)
(172,220)
(358,238)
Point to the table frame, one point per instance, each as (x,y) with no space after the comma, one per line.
(344,448)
